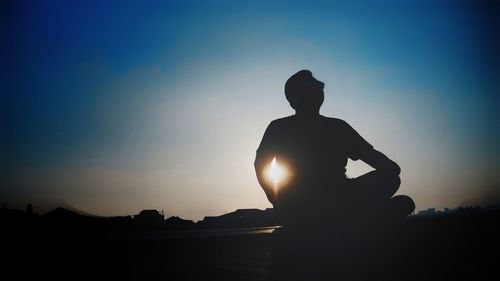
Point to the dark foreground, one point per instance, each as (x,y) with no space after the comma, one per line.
(452,247)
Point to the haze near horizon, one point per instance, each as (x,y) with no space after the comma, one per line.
(116,107)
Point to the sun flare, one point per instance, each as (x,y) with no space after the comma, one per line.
(276,173)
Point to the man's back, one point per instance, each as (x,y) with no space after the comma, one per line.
(314,150)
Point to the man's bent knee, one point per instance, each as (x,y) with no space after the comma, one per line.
(389,182)
(394,183)
(404,205)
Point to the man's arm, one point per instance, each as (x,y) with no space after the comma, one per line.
(359,148)
(261,161)
(265,154)
(380,162)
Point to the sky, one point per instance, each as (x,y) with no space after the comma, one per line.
(111,107)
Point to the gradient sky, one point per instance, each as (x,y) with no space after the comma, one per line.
(112,107)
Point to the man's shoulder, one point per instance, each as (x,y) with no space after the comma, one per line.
(335,121)
(282,120)
(288,120)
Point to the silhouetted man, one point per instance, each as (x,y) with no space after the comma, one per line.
(314,150)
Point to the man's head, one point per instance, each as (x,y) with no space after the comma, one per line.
(304,92)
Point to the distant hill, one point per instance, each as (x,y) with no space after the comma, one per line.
(62,213)
(175,222)
(240,218)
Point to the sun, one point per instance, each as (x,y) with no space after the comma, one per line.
(277,173)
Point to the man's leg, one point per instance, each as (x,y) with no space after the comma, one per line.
(374,186)
(400,206)
(374,191)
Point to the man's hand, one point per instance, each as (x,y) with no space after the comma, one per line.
(380,162)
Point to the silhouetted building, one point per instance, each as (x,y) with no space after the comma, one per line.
(469,210)
(492,207)
(29,208)
(430,211)
(149,218)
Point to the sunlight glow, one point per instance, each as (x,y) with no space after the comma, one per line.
(277,173)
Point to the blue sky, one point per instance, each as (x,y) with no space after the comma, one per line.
(120,106)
